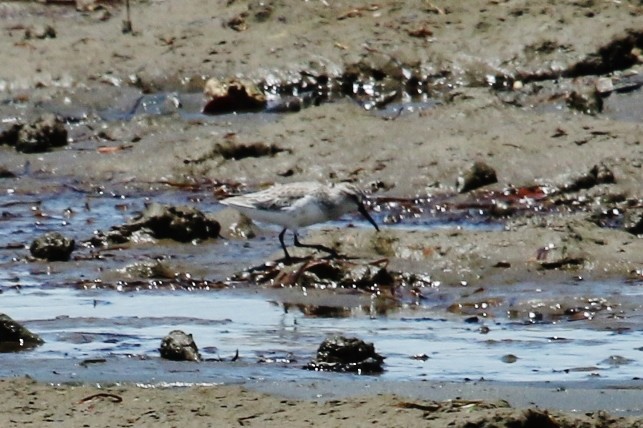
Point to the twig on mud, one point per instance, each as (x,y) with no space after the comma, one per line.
(115,398)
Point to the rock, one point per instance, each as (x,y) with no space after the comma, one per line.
(587,101)
(346,354)
(480,174)
(179,346)
(233,95)
(46,132)
(15,337)
(52,247)
(182,224)
(633,221)
(604,85)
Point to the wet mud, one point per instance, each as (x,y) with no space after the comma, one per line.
(500,148)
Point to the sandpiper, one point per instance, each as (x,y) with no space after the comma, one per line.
(297,205)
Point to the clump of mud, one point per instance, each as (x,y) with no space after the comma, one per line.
(346,354)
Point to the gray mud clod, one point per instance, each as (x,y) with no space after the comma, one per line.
(179,346)
(598,174)
(480,174)
(233,95)
(347,354)
(15,337)
(52,247)
(182,224)
(41,135)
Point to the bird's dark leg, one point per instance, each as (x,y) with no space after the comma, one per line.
(281,239)
(315,246)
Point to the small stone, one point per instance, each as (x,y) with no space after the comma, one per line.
(604,85)
(480,174)
(261,9)
(40,32)
(509,359)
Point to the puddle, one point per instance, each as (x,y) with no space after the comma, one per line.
(513,333)
(418,344)
(571,331)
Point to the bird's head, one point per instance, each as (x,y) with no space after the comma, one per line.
(357,196)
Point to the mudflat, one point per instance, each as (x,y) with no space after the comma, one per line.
(544,93)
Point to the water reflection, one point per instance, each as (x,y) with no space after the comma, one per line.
(519,332)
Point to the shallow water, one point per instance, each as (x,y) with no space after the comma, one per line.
(571,331)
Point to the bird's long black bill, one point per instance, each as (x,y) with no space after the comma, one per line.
(362,211)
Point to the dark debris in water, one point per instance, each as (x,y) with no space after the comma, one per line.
(339,273)
(182,281)
(532,312)
(277,358)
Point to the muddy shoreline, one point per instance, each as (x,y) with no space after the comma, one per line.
(233,405)
(542,93)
